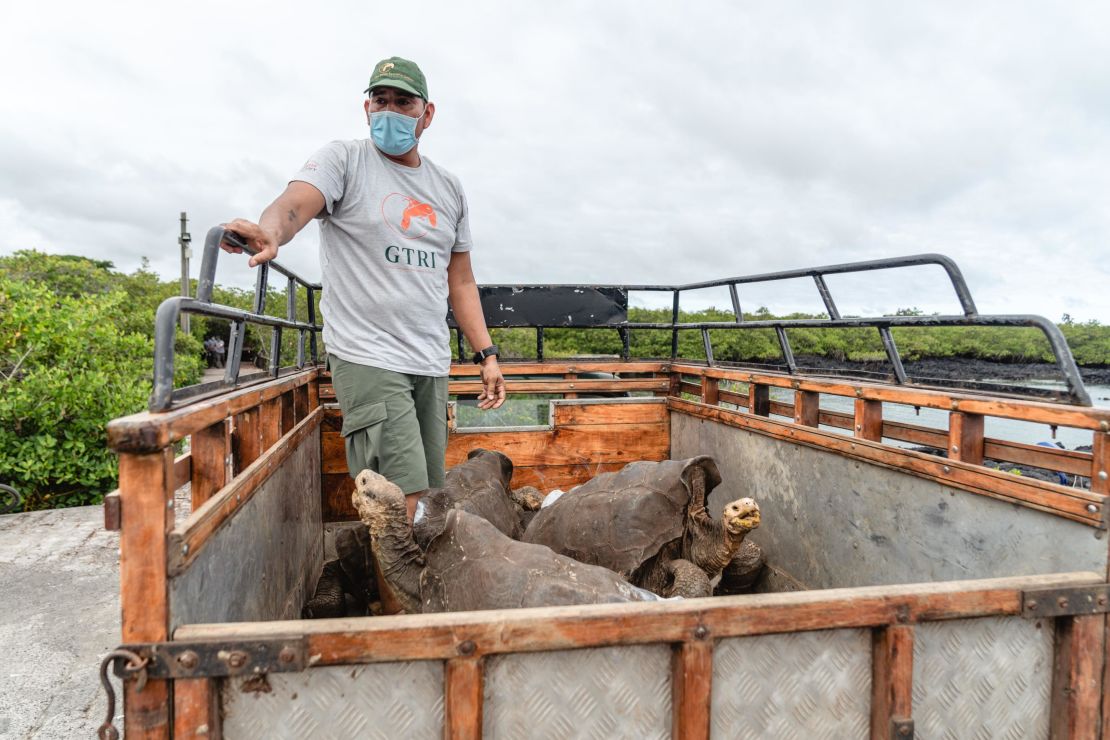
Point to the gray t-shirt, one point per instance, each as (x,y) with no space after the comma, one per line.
(385,244)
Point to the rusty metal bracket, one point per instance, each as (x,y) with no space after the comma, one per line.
(1065,602)
(221,658)
(901,729)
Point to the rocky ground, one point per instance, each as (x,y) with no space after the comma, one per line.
(59,587)
(962,369)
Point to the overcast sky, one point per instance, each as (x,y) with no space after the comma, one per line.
(600,142)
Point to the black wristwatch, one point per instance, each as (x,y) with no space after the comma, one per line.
(487,352)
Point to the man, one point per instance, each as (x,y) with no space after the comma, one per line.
(394,247)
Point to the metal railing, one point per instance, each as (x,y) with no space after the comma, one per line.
(596,307)
(164,396)
(606,306)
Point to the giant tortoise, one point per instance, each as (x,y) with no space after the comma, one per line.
(480,486)
(471,565)
(648,523)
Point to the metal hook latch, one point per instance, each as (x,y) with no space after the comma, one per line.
(135,667)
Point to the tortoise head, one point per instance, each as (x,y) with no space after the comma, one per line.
(378,501)
(741,516)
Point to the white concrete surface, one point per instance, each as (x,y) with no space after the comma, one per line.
(59,616)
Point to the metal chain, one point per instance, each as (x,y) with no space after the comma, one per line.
(135,665)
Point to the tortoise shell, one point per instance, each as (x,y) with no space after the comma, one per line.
(479,486)
(472,565)
(621,520)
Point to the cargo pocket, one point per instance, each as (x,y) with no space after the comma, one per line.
(362,436)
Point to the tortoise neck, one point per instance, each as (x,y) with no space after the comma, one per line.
(400,561)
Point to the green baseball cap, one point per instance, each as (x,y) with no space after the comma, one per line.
(401,74)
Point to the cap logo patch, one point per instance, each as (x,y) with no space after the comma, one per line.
(385,68)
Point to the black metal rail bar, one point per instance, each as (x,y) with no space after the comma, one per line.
(163,395)
(584,306)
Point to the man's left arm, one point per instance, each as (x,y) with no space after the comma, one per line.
(463,293)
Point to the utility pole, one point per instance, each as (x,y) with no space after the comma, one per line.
(186,253)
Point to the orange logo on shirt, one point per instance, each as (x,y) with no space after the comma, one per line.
(407,216)
(417,209)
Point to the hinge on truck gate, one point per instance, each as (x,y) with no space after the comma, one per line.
(212,659)
(1065,602)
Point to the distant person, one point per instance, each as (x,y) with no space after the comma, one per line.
(210,351)
(220,352)
(394,247)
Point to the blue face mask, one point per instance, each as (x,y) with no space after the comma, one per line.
(393,133)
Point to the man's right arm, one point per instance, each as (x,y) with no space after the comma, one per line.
(279,223)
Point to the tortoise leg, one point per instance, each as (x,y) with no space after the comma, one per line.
(743,571)
(328,600)
(687,580)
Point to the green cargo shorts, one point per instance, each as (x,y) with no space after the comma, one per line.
(393,423)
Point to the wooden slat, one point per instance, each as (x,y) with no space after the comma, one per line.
(472,388)
(187,540)
(462,699)
(113,509)
(567,445)
(694,389)
(1070,503)
(965,437)
(196,713)
(270,422)
(313,394)
(335,493)
(710,390)
(759,399)
(778,408)
(840,420)
(579,414)
(869,420)
(209,449)
(891,678)
(146,486)
(288,413)
(1037,411)
(1077,677)
(182,470)
(691,689)
(246,439)
(560,367)
(1100,463)
(578,444)
(737,399)
(439,636)
(1050,458)
(807,408)
(150,432)
(333,453)
(300,403)
(570,376)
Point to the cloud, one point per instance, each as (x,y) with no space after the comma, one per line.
(598,142)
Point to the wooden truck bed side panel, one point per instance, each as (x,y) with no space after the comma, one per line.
(584,439)
(264,561)
(829,521)
(743,666)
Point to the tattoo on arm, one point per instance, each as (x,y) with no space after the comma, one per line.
(291,215)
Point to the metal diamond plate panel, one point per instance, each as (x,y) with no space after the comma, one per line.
(982,678)
(382,700)
(618,692)
(804,685)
